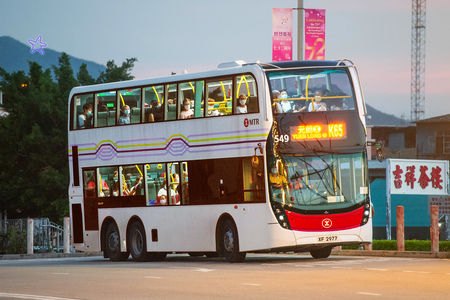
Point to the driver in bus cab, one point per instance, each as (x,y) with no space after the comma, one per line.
(275,179)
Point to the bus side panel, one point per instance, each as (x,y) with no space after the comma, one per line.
(251,223)
(192,228)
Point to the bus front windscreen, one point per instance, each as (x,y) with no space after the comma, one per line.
(311,90)
(319,183)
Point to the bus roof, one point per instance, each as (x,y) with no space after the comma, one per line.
(304,64)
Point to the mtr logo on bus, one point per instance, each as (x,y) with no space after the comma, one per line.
(319,131)
(251,122)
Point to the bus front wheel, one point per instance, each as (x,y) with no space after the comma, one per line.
(112,244)
(321,253)
(230,243)
(137,241)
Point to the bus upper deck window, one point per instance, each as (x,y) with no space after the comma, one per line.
(221,92)
(83,111)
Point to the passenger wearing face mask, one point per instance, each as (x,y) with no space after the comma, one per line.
(85,119)
(285,104)
(125,117)
(242,105)
(211,111)
(186,112)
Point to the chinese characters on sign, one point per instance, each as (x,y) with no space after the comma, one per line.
(421,177)
(305,132)
(314,34)
(282,34)
(443,202)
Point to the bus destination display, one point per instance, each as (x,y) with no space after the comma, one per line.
(319,131)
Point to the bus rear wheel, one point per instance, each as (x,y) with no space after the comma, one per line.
(230,243)
(112,244)
(321,253)
(137,241)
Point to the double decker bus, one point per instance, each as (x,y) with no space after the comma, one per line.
(246,158)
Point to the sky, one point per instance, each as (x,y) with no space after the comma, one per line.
(196,35)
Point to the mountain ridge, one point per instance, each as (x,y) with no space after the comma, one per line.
(14,56)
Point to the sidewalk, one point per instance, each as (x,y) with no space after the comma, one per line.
(46,255)
(385,253)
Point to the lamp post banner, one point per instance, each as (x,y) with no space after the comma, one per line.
(281,34)
(314,34)
(418,177)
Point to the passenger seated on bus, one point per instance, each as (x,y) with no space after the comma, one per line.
(136,190)
(103,108)
(285,104)
(276,104)
(211,111)
(187,112)
(125,117)
(241,108)
(163,200)
(116,189)
(299,105)
(163,189)
(317,105)
(90,190)
(85,119)
(157,111)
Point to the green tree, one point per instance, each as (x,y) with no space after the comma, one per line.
(83,76)
(33,139)
(114,73)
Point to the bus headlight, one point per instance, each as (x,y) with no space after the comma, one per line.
(280,214)
(366,214)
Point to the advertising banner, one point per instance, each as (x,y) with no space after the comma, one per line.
(281,34)
(314,34)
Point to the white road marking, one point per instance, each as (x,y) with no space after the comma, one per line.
(304,266)
(34,297)
(368,294)
(152,277)
(347,268)
(370,269)
(251,284)
(194,269)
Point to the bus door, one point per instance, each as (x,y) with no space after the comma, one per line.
(90,199)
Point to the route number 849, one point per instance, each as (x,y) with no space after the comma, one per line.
(283,138)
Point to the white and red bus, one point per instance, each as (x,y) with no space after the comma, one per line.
(246,158)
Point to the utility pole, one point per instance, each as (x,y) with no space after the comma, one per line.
(300,30)
(418,60)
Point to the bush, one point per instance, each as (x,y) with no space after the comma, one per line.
(15,241)
(410,245)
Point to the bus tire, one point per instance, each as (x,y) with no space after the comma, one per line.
(112,244)
(137,241)
(156,256)
(230,243)
(321,253)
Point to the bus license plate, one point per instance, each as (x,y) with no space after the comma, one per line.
(328,239)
